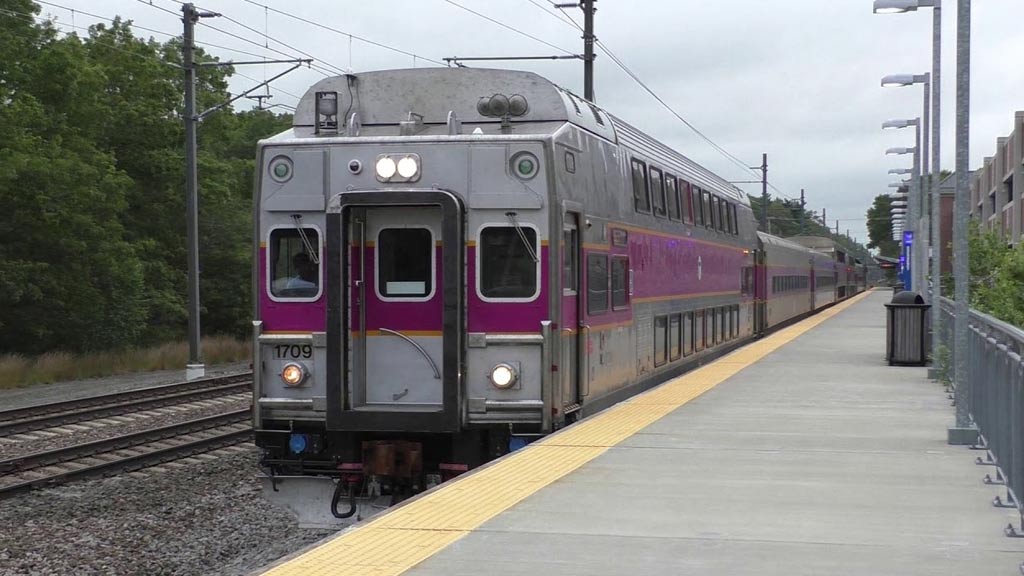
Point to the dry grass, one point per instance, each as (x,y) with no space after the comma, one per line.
(18,371)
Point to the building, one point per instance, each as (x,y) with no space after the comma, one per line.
(997,185)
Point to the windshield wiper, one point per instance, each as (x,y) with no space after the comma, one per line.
(314,255)
(522,236)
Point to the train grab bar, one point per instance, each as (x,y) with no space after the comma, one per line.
(433,366)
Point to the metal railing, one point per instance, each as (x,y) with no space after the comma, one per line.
(995,397)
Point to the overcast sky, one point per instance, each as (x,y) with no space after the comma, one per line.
(797,79)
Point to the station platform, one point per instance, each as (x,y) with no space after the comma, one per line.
(800,454)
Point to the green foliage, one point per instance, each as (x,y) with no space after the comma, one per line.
(880,227)
(92,226)
(996,276)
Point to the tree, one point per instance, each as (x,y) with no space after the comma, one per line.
(879,217)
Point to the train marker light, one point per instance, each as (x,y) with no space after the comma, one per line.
(524,165)
(297,443)
(503,376)
(281,169)
(294,374)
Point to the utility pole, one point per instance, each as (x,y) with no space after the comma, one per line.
(764,192)
(190,15)
(824,217)
(802,204)
(837,227)
(588,49)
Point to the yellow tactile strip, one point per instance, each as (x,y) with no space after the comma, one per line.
(398,540)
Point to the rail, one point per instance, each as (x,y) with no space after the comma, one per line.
(995,398)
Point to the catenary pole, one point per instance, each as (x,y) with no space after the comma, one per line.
(764,192)
(588,49)
(195,367)
(936,176)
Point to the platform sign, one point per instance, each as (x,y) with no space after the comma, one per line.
(908,238)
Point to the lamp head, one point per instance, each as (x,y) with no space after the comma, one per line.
(889,124)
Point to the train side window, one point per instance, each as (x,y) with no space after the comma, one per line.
(698,206)
(688,335)
(719,214)
(597,283)
(641,193)
(735,320)
(657,191)
(672,197)
(294,263)
(620,280)
(675,337)
(570,262)
(723,216)
(660,340)
(686,200)
(735,221)
(723,330)
(699,330)
(709,219)
(712,320)
(507,266)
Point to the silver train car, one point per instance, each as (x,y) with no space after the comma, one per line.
(449,263)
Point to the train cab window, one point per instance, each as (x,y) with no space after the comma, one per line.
(688,338)
(660,340)
(709,219)
(675,337)
(657,192)
(672,197)
(597,283)
(686,201)
(570,262)
(620,279)
(641,193)
(405,263)
(509,267)
(294,263)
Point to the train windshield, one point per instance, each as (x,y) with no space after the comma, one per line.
(507,267)
(294,271)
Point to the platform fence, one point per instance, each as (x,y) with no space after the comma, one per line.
(995,397)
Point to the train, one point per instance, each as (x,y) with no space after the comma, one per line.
(452,262)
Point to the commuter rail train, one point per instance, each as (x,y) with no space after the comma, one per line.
(451,262)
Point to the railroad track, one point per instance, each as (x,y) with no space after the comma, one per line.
(42,416)
(123,453)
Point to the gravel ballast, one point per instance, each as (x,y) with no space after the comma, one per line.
(192,517)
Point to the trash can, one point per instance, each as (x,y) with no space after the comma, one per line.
(906,330)
(897,288)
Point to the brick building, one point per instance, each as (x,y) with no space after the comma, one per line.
(997,185)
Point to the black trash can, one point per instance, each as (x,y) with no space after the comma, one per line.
(906,330)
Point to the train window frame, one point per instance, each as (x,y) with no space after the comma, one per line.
(270,252)
(675,348)
(479,250)
(657,190)
(660,356)
(570,247)
(672,199)
(618,259)
(377,268)
(591,257)
(639,168)
(686,200)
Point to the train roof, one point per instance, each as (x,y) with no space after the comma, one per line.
(384,99)
(783,242)
(819,243)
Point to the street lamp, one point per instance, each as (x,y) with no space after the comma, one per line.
(900,170)
(901,6)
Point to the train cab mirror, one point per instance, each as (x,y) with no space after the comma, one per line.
(294,270)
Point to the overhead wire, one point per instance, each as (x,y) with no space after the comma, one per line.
(512,28)
(344,33)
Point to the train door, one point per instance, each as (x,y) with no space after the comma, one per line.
(572,331)
(399,272)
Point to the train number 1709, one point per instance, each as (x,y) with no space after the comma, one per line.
(293,351)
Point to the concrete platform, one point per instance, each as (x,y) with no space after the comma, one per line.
(818,459)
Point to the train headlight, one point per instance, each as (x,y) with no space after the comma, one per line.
(408,167)
(503,376)
(294,374)
(386,168)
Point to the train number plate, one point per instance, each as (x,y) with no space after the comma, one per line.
(290,351)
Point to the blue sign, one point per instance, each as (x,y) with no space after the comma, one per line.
(908,238)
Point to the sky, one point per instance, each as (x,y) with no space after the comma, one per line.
(796,79)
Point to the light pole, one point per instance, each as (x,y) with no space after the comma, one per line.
(901,6)
(913,215)
(919,266)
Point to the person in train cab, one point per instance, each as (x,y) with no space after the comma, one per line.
(304,281)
